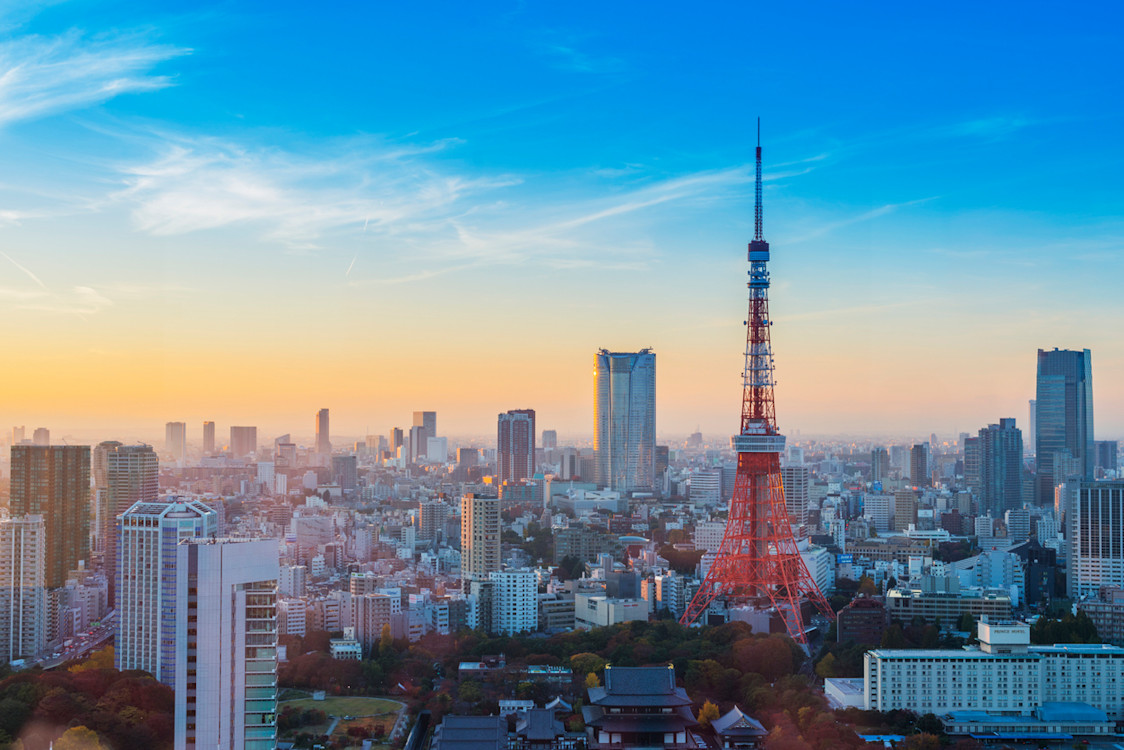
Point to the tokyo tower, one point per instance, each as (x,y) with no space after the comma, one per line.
(758,563)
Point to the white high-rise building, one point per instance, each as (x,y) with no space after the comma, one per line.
(23,590)
(708,535)
(175,441)
(624,420)
(1094,522)
(480,536)
(797,483)
(514,602)
(879,510)
(146,597)
(226,644)
(293,580)
(706,487)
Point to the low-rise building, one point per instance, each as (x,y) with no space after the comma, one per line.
(1004,676)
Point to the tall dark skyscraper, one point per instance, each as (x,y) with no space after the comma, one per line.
(54,482)
(919,465)
(1000,468)
(879,464)
(515,445)
(1064,418)
(624,419)
(425,427)
(323,437)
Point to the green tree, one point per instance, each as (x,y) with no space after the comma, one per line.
(967,624)
(893,637)
(867,586)
(826,667)
(386,643)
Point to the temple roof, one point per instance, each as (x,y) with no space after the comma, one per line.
(639,686)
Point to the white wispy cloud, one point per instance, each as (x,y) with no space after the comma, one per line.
(367,186)
(869,215)
(41,75)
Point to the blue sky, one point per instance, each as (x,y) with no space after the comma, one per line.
(250,211)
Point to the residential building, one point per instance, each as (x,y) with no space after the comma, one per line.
(124,476)
(706,487)
(23,590)
(480,536)
(226,644)
(1094,522)
(879,464)
(797,481)
(1107,614)
(624,420)
(1000,468)
(514,602)
(148,534)
(1063,418)
(515,445)
(54,482)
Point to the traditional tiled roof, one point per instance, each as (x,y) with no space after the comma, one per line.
(736,723)
(639,686)
(471,733)
(539,724)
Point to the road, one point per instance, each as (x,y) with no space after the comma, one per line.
(83,644)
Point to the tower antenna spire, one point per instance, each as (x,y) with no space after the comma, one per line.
(757,229)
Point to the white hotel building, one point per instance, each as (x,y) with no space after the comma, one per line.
(1004,679)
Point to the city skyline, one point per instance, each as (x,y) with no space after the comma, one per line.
(196,228)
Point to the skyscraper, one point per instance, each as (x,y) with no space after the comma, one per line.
(919,465)
(18,434)
(243,441)
(54,482)
(515,445)
(1094,523)
(126,475)
(1000,468)
(480,536)
(1063,417)
(226,644)
(624,419)
(23,591)
(208,438)
(549,440)
(41,436)
(323,438)
(175,441)
(879,464)
(797,486)
(148,533)
(1032,432)
(424,428)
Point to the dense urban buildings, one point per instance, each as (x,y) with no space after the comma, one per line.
(624,419)
(1063,419)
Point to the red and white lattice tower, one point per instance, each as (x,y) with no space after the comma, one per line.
(758,563)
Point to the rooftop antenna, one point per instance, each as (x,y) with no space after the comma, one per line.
(757,231)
